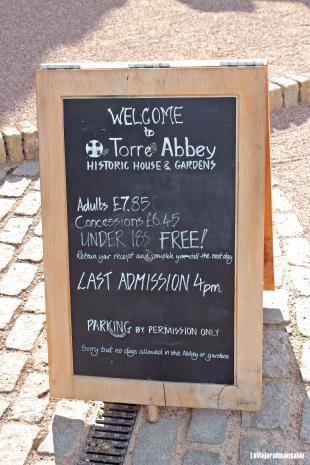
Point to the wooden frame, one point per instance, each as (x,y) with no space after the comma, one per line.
(268,232)
(248,84)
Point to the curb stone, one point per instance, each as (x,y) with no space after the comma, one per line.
(304,86)
(13,144)
(275,97)
(290,90)
(284,92)
(2,150)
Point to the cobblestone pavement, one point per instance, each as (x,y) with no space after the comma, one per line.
(36,430)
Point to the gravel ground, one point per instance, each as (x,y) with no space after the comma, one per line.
(290,158)
(33,31)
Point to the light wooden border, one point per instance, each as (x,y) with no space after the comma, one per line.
(269,284)
(249,85)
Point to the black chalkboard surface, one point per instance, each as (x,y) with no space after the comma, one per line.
(151,229)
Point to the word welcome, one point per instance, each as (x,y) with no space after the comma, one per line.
(129,116)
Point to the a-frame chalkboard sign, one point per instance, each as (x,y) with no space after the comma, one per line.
(153,179)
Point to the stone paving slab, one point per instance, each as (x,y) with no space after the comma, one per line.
(275,343)
(280,201)
(5,206)
(17,279)
(45,462)
(14,231)
(66,432)
(36,185)
(38,229)
(16,441)
(156,443)
(275,411)
(33,399)
(28,168)
(303,315)
(36,300)
(305,362)
(25,332)
(278,272)
(254,444)
(4,403)
(6,255)
(8,305)
(207,426)
(14,187)
(39,359)
(201,458)
(29,205)
(33,250)
(301,279)
(287,224)
(305,422)
(297,250)
(275,305)
(11,365)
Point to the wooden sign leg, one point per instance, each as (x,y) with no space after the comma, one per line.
(152,413)
(268,233)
